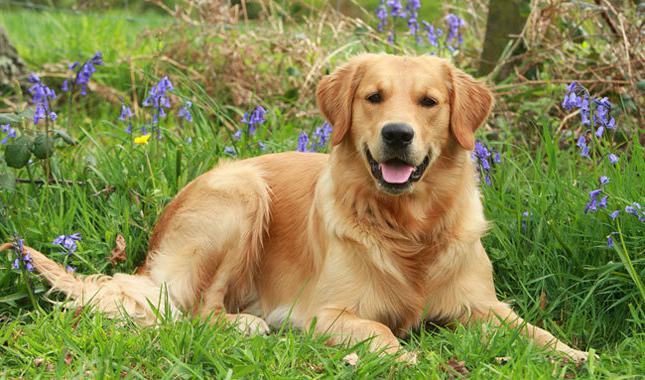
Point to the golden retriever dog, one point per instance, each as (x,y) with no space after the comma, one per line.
(365,243)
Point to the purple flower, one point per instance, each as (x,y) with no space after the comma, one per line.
(430,33)
(40,97)
(571,99)
(396,9)
(65,86)
(390,37)
(126,112)
(613,158)
(184,112)
(19,248)
(610,241)
(229,150)
(9,132)
(603,202)
(303,142)
(584,110)
(256,118)
(158,99)
(614,214)
(381,14)
(262,146)
(86,71)
(454,24)
(68,242)
(237,135)
(593,201)
(70,269)
(322,134)
(635,209)
(604,180)
(481,155)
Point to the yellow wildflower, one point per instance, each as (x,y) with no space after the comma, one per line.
(142,139)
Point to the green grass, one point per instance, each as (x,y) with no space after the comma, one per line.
(590,297)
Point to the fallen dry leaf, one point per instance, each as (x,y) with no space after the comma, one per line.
(118,253)
(38,362)
(501,360)
(68,358)
(351,359)
(455,368)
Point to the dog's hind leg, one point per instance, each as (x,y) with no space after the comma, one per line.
(208,242)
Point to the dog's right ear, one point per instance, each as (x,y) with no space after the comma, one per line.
(335,96)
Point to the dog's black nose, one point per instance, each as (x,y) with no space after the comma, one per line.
(397,135)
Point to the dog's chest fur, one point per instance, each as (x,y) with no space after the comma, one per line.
(398,262)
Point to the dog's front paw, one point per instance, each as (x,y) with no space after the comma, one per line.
(250,324)
(407,357)
(577,356)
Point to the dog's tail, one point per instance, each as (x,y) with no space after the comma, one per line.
(136,296)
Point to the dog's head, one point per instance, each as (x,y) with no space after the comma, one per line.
(399,113)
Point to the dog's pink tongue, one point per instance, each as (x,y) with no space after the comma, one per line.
(396,172)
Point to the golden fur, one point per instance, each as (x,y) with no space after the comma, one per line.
(300,236)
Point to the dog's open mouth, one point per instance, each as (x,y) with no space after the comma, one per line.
(396,173)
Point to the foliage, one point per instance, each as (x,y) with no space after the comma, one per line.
(241,88)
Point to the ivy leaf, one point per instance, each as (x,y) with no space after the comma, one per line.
(43,146)
(8,182)
(18,152)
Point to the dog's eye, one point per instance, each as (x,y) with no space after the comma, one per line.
(374,98)
(427,102)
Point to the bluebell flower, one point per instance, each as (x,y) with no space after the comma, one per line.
(603,180)
(237,135)
(322,135)
(68,242)
(184,112)
(430,33)
(70,269)
(86,71)
(610,241)
(396,9)
(19,248)
(584,148)
(126,112)
(635,209)
(159,100)
(481,155)
(41,95)
(229,150)
(614,214)
(303,142)
(592,205)
(613,158)
(262,146)
(256,118)
(454,24)
(10,133)
(65,86)
(390,37)
(381,14)
(603,202)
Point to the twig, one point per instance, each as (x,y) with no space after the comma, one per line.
(51,181)
(541,82)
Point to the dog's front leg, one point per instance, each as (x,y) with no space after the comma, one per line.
(345,327)
(501,314)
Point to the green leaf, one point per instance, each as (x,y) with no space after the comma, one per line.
(65,137)
(8,182)
(18,152)
(6,118)
(43,146)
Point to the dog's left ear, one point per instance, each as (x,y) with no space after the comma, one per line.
(470,104)
(335,96)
